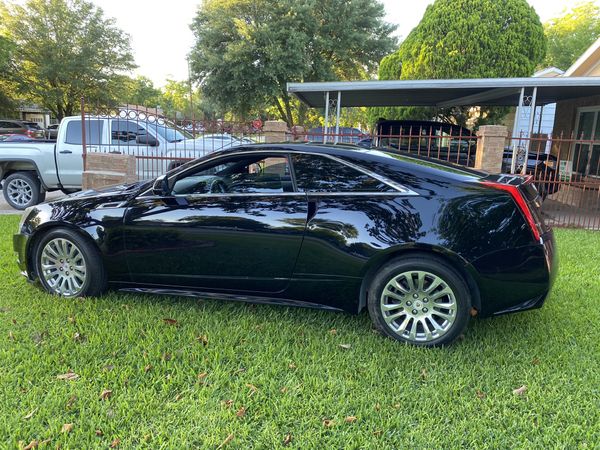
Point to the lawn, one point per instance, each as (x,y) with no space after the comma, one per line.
(160,372)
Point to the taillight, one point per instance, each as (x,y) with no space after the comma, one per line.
(521,203)
(30,133)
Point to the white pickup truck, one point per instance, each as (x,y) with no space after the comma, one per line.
(29,169)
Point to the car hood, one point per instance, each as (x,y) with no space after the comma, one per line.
(127,189)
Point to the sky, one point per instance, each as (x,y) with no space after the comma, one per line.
(161,37)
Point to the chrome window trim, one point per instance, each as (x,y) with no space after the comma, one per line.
(244,194)
(398,188)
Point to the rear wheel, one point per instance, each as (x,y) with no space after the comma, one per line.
(22,190)
(68,265)
(419,300)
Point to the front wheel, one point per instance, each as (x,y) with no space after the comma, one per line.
(69,265)
(419,300)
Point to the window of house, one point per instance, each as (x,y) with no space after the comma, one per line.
(93,132)
(316,173)
(586,155)
(243,174)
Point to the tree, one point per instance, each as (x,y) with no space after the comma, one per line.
(66,49)
(247,50)
(7,88)
(571,34)
(141,91)
(465,39)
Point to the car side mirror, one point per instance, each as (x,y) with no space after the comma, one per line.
(146,139)
(161,186)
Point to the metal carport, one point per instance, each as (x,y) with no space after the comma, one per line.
(519,92)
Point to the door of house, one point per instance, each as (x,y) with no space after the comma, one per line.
(586,152)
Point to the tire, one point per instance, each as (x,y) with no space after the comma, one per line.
(402,311)
(22,190)
(76,266)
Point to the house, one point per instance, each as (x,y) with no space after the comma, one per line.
(578,120)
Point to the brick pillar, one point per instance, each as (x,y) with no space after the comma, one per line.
(490,147)
(106,169)
(298,133)
(274,131)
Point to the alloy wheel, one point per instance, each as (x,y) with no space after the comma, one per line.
(63,267)
(418,306)
(20,192)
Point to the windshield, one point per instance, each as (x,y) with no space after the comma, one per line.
(169,134)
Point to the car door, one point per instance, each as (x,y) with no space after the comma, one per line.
(231,223)
(69,157)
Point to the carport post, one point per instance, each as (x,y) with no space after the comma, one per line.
(326,126)
(513,165)
(530,130)
(337,117)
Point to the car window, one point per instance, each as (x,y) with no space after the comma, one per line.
(125,132)
(8,125)
(93,132)
(242,174)
(315,173)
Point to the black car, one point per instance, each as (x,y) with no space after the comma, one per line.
(542,166)
(434,139)
(421,244)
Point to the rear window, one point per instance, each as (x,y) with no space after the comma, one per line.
(93,132)
(316,173)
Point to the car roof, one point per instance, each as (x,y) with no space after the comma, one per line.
(398,159)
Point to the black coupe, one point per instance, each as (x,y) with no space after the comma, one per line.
(421,244)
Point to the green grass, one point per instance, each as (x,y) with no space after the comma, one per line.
(285,366)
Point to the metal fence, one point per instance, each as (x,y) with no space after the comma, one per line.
(566,171)
(160,143)
(456,146)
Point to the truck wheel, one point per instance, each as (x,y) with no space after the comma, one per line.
(22,189)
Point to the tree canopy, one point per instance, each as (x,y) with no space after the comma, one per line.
(6,64)
(65,49)
(465,39)
(247,50)
(571,34)
(141,91)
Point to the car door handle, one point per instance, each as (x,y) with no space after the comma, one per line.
(65,151)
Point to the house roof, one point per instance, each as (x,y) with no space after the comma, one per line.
(587,64)
(549,72)
(441,93)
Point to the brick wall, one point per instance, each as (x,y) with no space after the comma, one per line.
(566,114)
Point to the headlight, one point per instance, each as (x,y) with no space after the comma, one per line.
(24,217)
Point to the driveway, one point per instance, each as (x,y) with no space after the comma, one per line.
(6,209)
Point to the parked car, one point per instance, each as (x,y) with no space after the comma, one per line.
(52,131)
(542,166)
(29,129)
(346,135)
(14,137)
(29,169)
(459,145)
(421,244)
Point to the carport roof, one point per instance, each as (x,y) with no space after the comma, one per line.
(443,93)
